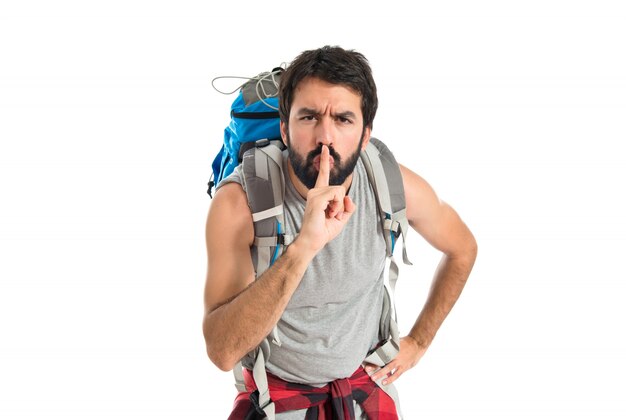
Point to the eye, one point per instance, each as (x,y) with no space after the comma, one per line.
(307,118)
(344,120)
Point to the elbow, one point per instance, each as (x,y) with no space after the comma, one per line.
(472,249)
(470,254)
(221,358)
(465,254)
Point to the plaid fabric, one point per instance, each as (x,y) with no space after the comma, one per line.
(333,401)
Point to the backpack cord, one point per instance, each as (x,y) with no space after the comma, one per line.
(260,88)
(260,84)
(247,79)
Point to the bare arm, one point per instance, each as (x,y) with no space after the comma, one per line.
(239,311)
(442,227)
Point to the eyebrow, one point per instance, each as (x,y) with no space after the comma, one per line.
(311,111)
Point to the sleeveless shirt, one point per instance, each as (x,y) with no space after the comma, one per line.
(332,320)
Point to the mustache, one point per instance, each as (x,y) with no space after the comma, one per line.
(318,151)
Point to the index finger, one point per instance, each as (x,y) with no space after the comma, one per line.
(323,177)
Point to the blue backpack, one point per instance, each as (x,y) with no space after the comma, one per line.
(254,116)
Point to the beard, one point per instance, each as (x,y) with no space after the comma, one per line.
(305,170)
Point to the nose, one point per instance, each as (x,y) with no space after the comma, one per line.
(324,133)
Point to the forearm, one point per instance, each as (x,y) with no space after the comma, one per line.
(449,280)
(237,326)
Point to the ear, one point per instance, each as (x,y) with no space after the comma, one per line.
(283,133)
(366,137)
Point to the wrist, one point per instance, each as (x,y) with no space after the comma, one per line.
(420,341)
(300,255)
(303,250)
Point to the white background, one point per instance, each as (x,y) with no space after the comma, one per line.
(514,111)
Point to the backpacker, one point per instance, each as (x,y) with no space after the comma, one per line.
(264,178)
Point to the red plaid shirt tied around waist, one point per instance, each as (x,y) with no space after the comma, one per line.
(332,401)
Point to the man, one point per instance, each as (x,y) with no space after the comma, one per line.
(325,291)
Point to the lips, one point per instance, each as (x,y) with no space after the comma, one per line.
(316,161)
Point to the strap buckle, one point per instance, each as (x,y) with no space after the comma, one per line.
(262,142)
(254,398)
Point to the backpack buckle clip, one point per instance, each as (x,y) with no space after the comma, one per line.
(254,398)
(262,142)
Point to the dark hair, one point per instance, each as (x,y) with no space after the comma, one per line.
(333,65)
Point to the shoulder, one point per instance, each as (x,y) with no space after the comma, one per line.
(425,211)
(229,214)
(433,218)
(229,236)
(420,196)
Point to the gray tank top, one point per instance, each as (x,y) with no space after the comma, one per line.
(332,319)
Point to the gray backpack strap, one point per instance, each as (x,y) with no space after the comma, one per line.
(265,188)
(386,180)
(240,382)
(384,173)
(260,379)
(264,183)
(260,355)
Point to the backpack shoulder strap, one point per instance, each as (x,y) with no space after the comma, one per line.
(385,177)
(386,180)
(264,183)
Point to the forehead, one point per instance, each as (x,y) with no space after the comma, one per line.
(318,94)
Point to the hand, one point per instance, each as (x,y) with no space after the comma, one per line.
(410,353)
(327,211)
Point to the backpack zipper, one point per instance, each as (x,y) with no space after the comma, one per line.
(255,115)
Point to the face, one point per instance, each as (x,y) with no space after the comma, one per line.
(324,114)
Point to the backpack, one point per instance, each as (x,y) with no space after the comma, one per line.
(254,116)
(264,179)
